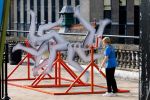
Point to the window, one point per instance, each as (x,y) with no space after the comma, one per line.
(38,11)
(68,2)
(136,23)
(60,4)
(18,14)
(31,4)
(122,20)
(107,14)
(25,17)
(25,11)
(77,2)
(53,11)
(46,11)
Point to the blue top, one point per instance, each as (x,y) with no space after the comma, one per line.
(110,53)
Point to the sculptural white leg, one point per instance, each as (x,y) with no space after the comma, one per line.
(50,35)
(40,65)
(37,62)
(90,36)
(83,21)
(32,29)
(37,54)
(48,26)
(53,51)
(30,50)
(102,25)
(71,54)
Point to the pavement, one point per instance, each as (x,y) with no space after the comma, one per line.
(125,80)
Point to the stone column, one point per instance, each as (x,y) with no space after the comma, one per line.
(28,12)
(21,12)
(15,16)
(92,9)
(11,17)
(42,12)
(130,20)
(85,9)
(65,2)
(57,9)
(21,16)
(73,3)
(115,18)
(96,10)
(49,11)
(35,8)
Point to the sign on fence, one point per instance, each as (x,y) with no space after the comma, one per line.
(1,10)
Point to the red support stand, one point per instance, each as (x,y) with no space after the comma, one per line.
(91,65)
(76,82)
(58,78)
(28,57)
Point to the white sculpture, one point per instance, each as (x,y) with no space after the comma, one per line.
(39,47)
(80,48)
(53,42)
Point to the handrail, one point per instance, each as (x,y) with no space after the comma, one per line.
(82,34)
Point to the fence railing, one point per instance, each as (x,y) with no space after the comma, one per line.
(128,59)
(3,76)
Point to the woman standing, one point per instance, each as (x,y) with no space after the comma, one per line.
(110,64)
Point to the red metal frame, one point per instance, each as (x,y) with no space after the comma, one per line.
(75,83)
(91,65)
(58,78)
(58,63)
(28,57)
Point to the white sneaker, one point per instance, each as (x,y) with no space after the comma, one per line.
(109,94)
(114,94)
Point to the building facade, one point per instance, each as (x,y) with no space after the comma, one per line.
(123,13)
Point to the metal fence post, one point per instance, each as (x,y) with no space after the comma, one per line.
(6,60)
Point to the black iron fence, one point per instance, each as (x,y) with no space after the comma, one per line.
(145,48)
(3,76)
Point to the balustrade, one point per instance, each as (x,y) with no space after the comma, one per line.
(128,59)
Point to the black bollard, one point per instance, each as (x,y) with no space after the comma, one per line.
(2,79)
(0,87)
(6,97)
